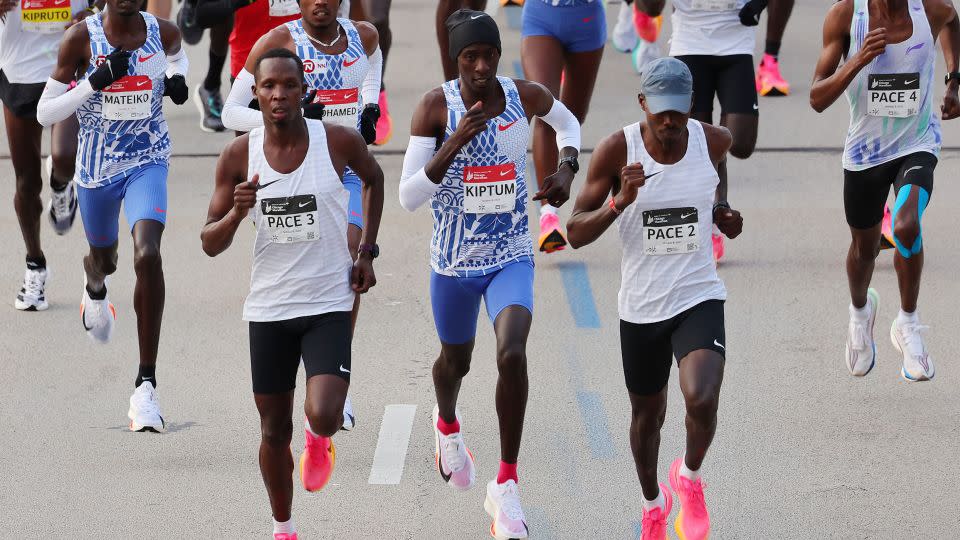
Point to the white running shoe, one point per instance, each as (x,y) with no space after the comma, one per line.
(348,419)
(144,412)
(454,460)
(31,296)
(861,353)
(908,339)
(644,53)
(624,35)
(97,316)
(62,208)
(503,505)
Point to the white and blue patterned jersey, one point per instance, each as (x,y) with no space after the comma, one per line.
(468,244)
(108,147)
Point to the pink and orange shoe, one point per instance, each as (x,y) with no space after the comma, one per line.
(648,28)
(316,463)
(653,526)
(886,229)
(551,234)
(769,81)
(717,238)
(693,520)
(385,123)
(284,536)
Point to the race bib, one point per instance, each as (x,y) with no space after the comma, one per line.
(290,219)
(44,16)
(671,231)
(284,8)
(128,98)
(490,189)
(340,106)
(896,95)
(715,5)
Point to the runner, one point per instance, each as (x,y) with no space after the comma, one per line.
(445,8)
(29,37)
(129,61)
(467,157)
(561,47)
(893,140)
(253,21)
(378,13)
(663,173)
(217,15)
(636,31)
(289,173)
(769,80)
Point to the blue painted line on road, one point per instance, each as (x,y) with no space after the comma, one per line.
(595,420)
(637,531)
(518,69)
(576,283)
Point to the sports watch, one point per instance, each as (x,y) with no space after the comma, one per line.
(572,161)
(372,249)
(951,76)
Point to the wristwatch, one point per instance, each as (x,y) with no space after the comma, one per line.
(372,249)
(951,76)
(572,161)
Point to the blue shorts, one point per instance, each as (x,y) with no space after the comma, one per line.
(355,207)
(456,300)
(579,27)
(143,192)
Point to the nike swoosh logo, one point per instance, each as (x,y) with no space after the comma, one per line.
(348,63)
(83,319)
(344,370)
(349,96)
(505,173)
(475,17)
(685,216)
(505,127)
(145,58)
(261,186)
(755,107)
(58,2)
(141,83)
(718,344)
(301,205)
(445,476)
(910,82)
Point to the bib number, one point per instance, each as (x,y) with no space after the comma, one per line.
(490,189)
(290,219)
(340,106)
(128,98)
(895,95)
(671,231)
(715,5)
(284,8)
(45,16)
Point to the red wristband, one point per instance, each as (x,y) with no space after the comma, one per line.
(613,207)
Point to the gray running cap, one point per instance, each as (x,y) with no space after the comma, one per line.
(667,85)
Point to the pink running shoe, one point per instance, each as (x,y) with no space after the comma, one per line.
(284,536)
(693,520)
(551,234)
(317,461)
(385,123)
(717,246)
(648,28)
(653,526)
(886,229)
(769,81)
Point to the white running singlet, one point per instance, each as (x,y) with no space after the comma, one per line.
(30,35)
(301,262)
(667,264)
(710,27)
(892,113)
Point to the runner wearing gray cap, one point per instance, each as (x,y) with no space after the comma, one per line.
(658,180)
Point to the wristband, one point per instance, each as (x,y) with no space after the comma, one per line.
(613,207)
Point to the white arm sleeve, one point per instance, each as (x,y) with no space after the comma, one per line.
(565,124)
(415,187)
(370,91)
(236,113)
(57,102)
(177,64)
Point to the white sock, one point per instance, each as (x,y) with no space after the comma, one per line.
(306,424)
(860,314)
(285,527)
(687,473)
(548,209)
(658,502)
(904,317)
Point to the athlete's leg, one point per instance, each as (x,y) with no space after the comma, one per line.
(445,8)
(276,457)
(149,292)
(353,243)
(738,106)
(701,373)
(543,60)
(743,129)
(778,13)
(512,327)
(378,12)
(906,229)
(63,149)
(861,257)
(219,48)
(647,413)
(864,195)
(456,304)
(23,137)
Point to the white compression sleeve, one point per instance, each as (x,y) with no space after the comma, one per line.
(177,64)
(57,102)
(370,90)
(415,187)
(236,113)
(565,124)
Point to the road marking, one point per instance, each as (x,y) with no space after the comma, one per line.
(595,421)
(576,283)
(391,452)
(637,531)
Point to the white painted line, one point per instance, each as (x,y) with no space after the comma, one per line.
(391,452)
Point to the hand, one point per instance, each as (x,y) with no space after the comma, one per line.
(245,196)
(632,178)
(729,221)
(114,66)
(311,110)
(750,12)
(873,46)
(362,276)
(176,88)
(471,124)
(951,103)
(555,189)
(368,122)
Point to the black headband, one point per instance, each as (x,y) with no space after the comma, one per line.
(466,27)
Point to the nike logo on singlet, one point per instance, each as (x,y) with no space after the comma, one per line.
(261,186)
(505,127)
(348,63)
(145,58)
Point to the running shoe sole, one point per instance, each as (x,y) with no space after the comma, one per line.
(903,371)
(134,426)
(553,241)
(872,294)
(491,508)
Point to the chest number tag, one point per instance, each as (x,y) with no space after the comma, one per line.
(715,5)
(896,95)
(45,16)
(490,189)
(284,8)
(340,106)
(290,219)
(128,98)
(671,231)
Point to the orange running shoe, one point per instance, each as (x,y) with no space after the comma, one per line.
(648,28)
(693,520)
(317,461)
(886,229)
(385,123)
(551,234)
(769,81)
(717,246)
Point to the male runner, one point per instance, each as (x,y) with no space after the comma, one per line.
(769,80)
(30,33)
(467,157)
(445,8)
(888,75)
(662,173)
(217,15)
(636,31)
(127,62)
(288,172)
(378,13)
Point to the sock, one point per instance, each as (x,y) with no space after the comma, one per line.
(97,295)
(214,69)
(772,48)
(37,263)
(147,373)
(904,317)
(860,313)
(284,527)
(448,428)
(548,209)
(508,471)
(687,473)
(658,502)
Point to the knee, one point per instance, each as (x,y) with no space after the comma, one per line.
(106,263)
(702,403)
(277,434)
(146,258)
(512,361)
(863,251)
(28,186)
(742,149)
(647,419)
(325,419)
(906,229)
(455,367)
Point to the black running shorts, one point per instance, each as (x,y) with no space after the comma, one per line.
(649,349)
(865,192)
(323,341)
(729,78)
(21,99)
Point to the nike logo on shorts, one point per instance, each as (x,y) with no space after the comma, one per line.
(344,370)
(718,344)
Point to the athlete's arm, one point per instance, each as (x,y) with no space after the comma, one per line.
(357,11)
(829,82)
(58,100)
(370,88)
(728,220)
(949,36)
(427,128)
(429,120)
(237,114)
(232,198)
(537,100)
(592,214)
